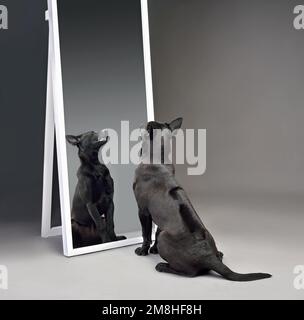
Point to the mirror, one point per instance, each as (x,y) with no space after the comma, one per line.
(101,78)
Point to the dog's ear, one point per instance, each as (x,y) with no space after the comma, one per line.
(176,124)
(101,143)
(73,140)
(149,129)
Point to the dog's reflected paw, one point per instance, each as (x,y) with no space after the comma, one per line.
(154,250)
(142,251)
(120,238)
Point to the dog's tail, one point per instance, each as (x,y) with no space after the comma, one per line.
(220,268)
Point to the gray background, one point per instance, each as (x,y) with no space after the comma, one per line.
(104,84)
(234,67)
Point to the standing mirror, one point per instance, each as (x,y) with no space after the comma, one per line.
(101,75)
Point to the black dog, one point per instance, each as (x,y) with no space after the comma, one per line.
(93,208)
(181,239)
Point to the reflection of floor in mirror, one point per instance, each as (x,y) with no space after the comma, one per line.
(254,236)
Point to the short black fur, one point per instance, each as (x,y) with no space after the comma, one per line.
(93,207)
(182,240)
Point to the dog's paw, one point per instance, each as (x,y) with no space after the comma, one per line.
(161,267)
(142,251)
(154,250)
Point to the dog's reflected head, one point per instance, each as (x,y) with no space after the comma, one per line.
(88,145)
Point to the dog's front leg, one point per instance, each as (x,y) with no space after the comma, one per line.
(154,249)
(146,224)
(100,222)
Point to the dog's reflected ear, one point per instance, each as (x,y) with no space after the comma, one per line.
(73,140)
(176,124)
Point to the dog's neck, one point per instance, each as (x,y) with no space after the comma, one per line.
(92,163)
(157,156)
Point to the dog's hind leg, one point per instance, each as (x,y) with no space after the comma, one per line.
(154,249)
(146,224)
(77,243)
(165,267)
(110,221)
(220,255)
(110,224)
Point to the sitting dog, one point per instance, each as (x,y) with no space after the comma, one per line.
(93,208)
(181,239)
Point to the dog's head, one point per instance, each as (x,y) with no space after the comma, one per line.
(157,137)
(88,145)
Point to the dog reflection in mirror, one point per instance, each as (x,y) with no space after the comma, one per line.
(93,207)
(182,240)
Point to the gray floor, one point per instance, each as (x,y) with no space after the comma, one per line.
(255,235)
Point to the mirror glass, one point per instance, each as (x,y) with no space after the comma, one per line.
(103,79)
(55,211)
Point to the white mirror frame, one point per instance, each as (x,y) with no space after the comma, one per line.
(55,117)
